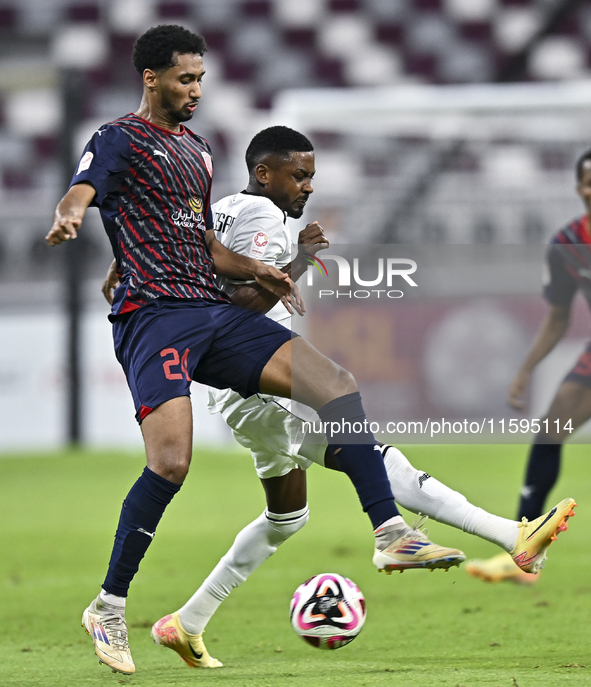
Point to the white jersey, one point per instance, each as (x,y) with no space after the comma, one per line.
(254,226)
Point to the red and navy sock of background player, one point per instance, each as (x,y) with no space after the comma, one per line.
(354,453)
(542,472)
(140,515)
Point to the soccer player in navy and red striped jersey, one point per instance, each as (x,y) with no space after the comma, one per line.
(152,187)
(568,270)
(150,178)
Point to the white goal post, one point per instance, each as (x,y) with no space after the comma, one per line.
(460,164)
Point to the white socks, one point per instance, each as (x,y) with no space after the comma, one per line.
(420,493)
(397,522)
(113,600)
(413,489)
(388,531)
(253,545)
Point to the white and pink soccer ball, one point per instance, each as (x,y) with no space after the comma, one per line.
(327,611)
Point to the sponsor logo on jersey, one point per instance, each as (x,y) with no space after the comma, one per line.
(223,222)
(85,162)
(159,152)
(191,219)
(196,204)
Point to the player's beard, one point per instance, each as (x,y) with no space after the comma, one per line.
(177,115)
(180,115)
(297,210)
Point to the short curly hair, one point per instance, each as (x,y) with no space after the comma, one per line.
(276,140)
(580,166)
(155,48)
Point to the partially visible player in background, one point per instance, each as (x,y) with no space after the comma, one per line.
(568,270)
(280,162)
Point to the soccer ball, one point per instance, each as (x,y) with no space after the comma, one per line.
(327,611)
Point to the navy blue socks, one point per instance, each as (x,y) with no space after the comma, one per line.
(141,513)
(357,454)
(541,475)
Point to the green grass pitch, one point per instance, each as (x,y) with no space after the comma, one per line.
(59,512)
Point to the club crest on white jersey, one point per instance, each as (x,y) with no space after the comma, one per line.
(259,244)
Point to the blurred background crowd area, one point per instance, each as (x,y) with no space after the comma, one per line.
(434,121)
(393,185)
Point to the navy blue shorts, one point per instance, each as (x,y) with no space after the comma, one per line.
(170,342)
(581,372)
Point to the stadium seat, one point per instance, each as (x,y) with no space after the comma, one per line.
(84,13)
(259,47)
(8,18)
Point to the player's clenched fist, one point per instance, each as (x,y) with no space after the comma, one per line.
(313,238)
(63,229)
(518,390)
(70,213)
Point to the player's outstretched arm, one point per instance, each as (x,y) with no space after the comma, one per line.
(230,264)
(551,331)
(227,263)
(254,297)
(69,214)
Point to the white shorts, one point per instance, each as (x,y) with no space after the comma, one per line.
(264,425)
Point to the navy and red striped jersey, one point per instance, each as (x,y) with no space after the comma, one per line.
(153,193)
(569,263)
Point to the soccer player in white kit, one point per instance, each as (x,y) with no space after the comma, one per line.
(253,223)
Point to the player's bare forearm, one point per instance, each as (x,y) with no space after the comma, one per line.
(310,240)
(227,263)
(235,266)
(69,214)
(254,297)
(262,298)
(551,331)
(297,267)
(283,287)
